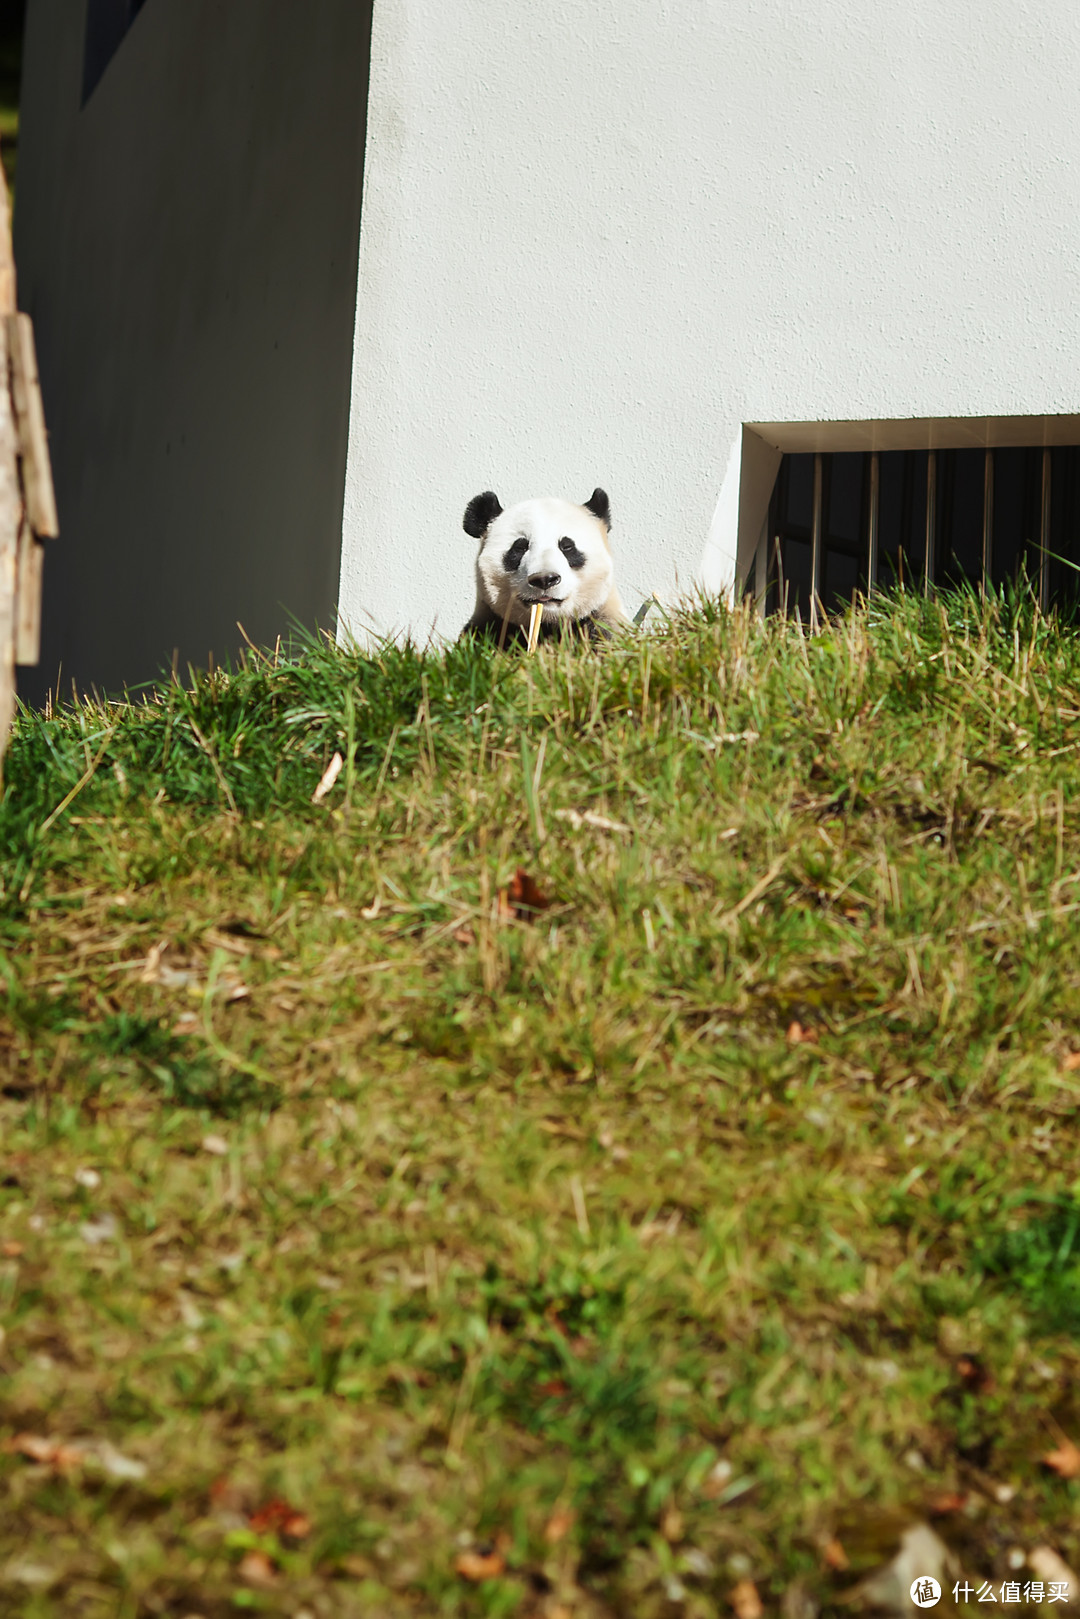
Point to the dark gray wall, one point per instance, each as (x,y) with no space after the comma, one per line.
(187,245)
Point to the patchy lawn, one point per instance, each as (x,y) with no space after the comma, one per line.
(374,1241)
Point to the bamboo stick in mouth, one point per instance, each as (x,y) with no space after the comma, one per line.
(536,613)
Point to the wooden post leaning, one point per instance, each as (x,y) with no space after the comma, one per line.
(27,500)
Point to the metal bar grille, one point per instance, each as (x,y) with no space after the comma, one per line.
(815,544)
(931,518)
(872,524)
(841,521)
(988,521)
(1044,534)
(761,568)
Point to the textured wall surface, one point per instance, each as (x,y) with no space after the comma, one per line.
(597,238)
(187,246)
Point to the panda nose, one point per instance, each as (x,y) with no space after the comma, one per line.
(544,581)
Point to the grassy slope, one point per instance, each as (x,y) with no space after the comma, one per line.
(531,1214)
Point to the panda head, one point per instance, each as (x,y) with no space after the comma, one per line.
(549,552)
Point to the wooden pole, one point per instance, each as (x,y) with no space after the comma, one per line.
(873,525)
(988,522)
(39,521)
(930,569)
(11,500)
(27,500)
(1044,533)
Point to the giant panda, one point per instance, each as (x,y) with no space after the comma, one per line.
(547,551)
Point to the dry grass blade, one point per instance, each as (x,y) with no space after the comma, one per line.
(755,893)
(580,818)
(84,781)
(219,774)
(328,778)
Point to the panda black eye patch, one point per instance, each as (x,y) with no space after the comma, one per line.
(512,558)
(570,551)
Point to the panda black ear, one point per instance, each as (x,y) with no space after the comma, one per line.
(600,506)
(480,513)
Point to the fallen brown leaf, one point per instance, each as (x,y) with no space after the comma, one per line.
(480,1564)
(974,1375)
(277,1517)
(672,1526)
(522,897)
(257,1569)
(559,1525)
(834,1556)
(464,935)
(745,1600)
(798,1035)
(1072,1062)
(359,1567)
(268,1518)
(940,1506)
(524,890)
(47,1452)
(1065,1461)
(226,1496)
(11,1250)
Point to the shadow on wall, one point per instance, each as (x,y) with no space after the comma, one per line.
(107,21)
(187,242)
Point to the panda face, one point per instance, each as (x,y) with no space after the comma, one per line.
(546,552)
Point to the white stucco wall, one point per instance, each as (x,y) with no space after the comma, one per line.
(598,238)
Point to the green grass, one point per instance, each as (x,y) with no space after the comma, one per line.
(525,1213)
